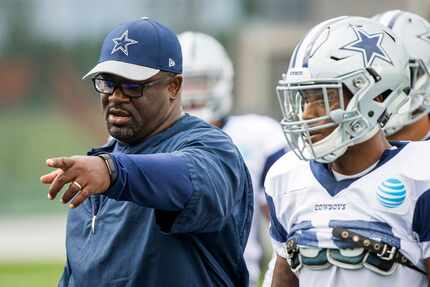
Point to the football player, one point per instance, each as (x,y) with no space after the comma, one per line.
(346,208)
(412,122)
(207,93)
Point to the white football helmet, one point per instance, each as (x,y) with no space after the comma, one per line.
(414,32)
(350,53)
(208,77)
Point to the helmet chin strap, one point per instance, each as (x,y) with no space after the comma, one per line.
(368,136)
(322,150)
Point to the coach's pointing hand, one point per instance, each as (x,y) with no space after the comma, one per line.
(86,175)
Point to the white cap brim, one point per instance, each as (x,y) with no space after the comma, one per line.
(124,70)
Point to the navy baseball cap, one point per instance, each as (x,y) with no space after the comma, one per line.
(139,49)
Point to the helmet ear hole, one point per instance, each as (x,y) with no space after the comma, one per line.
(407,90)
(383,96)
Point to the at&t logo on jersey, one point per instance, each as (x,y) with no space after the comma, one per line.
(391,193)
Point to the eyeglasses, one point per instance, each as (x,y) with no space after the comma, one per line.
(130,89)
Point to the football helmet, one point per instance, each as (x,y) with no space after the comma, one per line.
(351,54)
(208,77)
(414,32)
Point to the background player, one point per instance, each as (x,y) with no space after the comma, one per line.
(412,122)
(207,93)
(355,214)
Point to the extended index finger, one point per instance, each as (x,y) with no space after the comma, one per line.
(60,162)
(48,178)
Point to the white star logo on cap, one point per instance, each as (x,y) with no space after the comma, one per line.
(122,43)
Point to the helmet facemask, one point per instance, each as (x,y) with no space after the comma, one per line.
(353,117)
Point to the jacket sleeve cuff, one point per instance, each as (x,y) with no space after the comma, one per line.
(117,187)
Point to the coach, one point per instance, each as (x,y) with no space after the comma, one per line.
(168,201)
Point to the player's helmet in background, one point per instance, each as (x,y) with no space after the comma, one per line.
(351,53)
(208,77)
(414,32)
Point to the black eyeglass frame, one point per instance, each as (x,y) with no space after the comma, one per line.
(141,86)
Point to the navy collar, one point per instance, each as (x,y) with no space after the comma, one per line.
(326,178)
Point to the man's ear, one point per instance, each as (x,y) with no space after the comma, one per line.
(175,86)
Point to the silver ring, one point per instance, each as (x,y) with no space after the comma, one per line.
(77,184)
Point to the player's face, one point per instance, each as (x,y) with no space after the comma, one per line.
(131,119)
(314,106)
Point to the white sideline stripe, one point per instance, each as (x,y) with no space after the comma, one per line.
(34,238)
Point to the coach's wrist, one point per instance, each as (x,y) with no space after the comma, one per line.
(111,167)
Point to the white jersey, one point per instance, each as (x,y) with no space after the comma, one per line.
(257,138)
(389,204)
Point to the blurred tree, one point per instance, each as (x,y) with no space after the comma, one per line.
(278,10)
(18,19)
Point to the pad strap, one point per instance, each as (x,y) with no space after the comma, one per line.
(384,251)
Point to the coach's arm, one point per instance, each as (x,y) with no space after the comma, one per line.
(192,190)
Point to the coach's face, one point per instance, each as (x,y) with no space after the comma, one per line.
(137,110)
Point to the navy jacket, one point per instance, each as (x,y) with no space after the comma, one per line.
(178,214)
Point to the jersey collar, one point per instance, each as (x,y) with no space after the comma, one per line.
(326,178)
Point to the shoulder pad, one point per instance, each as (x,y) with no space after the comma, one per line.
(283,167)
(414,160)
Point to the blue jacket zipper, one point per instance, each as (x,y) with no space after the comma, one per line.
(95,204)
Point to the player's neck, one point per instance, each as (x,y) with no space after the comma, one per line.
(413,132)
(217,123)
(361,156)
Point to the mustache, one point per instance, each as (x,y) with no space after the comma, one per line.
(118,111)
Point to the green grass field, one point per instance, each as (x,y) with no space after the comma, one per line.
(40,274)
(28,139)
